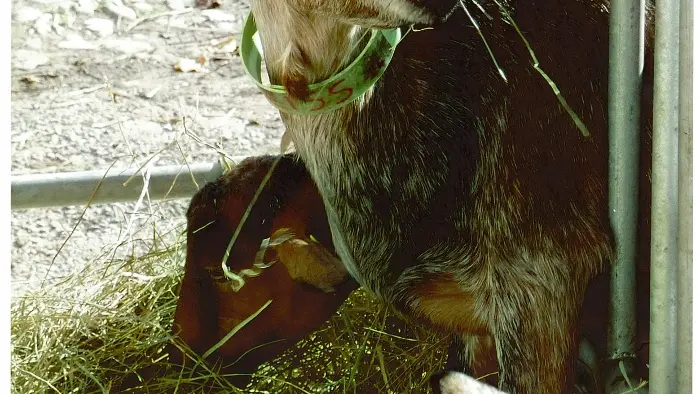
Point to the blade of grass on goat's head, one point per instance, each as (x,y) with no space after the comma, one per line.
(237,279)
(235,330)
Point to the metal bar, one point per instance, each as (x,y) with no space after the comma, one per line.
(685,196)
(663,346)
(76,188)
(624,108)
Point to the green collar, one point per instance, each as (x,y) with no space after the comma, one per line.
(336,91)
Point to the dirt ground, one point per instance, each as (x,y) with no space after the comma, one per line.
(94,84)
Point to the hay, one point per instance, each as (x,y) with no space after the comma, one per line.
(106,328)
(88,331)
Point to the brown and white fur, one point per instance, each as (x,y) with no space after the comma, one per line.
(462,200)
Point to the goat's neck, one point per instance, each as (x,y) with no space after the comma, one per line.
(306,47)
(328,49)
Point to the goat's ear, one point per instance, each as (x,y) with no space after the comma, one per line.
(415,11)
(439,10)
(387,13)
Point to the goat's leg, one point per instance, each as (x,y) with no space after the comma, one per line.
(535,332)
(471,354)
(458,358)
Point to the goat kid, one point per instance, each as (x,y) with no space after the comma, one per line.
(305,290)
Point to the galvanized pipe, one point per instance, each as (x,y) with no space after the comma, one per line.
(101,187)
(685,196)
(624,102)
(663,345)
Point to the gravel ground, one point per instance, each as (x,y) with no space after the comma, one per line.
(96,83)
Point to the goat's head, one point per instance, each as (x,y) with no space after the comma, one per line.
(209,308)
(306,41)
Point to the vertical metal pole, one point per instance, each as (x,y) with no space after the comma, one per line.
(685,196)
(624,101)
(663,347)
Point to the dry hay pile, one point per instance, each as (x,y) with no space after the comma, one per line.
(96,329)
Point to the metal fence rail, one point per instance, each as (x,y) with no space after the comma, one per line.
(665,367)
(115,185)
(624,124)
(685,200)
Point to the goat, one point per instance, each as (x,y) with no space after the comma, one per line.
(208,308)
(461,199)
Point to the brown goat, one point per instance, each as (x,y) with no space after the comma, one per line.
(208,308)
(457,197)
